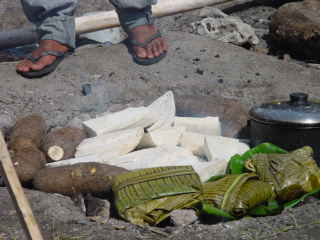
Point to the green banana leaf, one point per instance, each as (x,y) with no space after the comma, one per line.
(215,178)
(292,174)
(209,209)
(295,202)
(237,162)
(236,194)
(271,208)
(148,196)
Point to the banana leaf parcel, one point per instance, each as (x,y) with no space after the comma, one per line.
(147,196)
(292,174)
(237,194)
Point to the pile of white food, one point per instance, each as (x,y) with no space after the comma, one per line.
(153,136)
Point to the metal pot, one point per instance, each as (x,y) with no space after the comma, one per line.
(291,124)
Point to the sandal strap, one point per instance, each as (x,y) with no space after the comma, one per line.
(148,41)
(46,53)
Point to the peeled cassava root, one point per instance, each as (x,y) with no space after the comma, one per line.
(78,178)
(61,144)
(26,137)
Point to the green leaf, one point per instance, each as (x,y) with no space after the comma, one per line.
(273,207)
(237,162)
(293,203)
(215,178)
(209,209)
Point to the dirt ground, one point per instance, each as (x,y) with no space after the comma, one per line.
(207,77)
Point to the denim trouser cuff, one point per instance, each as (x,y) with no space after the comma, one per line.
(131,17)
(60,29)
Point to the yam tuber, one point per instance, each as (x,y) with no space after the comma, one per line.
(61,144)
(78,178)
(31,127)
(26,158)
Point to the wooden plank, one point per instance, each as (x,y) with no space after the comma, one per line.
(13,184)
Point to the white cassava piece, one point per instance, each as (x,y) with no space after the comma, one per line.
(161,137)
(207,169)
(111,145)
(168,156)
(206,125)
(156,157)
(219,148)
(86,159)
(194,142)
(151,157)
(128,118)
(164,110)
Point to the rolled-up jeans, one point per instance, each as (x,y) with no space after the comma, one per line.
(55,18)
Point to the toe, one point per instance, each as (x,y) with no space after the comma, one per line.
(24,66)
(150,52)
(141,52)
(156,48)
(163,45)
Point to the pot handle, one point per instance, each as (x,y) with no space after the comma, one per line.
(299,98)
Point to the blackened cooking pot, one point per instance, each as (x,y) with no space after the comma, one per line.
(290,124)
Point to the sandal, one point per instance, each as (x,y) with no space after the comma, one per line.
(145,61)
(47,69)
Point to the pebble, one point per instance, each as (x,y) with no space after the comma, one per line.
(183,217)
(86,89)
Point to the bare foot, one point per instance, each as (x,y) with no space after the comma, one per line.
(45,45)
(155,48)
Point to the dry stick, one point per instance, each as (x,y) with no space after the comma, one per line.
(14,186)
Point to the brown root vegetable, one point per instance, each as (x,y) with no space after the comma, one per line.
(32,127)
(27,159)
(78,178)
(61,144)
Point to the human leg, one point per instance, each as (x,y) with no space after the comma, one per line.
(136,18)
(56,27)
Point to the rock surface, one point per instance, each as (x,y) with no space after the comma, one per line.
(58,218)
(297,26)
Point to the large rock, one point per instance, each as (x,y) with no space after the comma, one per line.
(297,26)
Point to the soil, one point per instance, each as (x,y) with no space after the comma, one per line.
(207,78)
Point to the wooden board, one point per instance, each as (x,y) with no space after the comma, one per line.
(23,208)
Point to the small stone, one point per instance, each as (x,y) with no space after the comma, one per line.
(199,71)
(77,121)
(98,210)
(183,217)
(86,89)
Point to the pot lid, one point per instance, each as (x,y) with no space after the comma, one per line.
(297,111)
